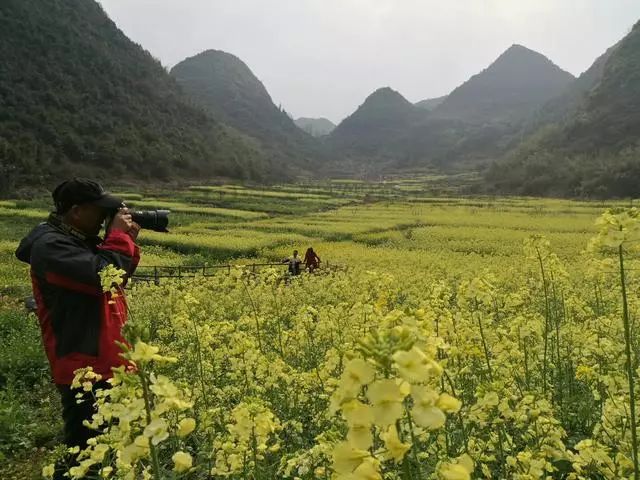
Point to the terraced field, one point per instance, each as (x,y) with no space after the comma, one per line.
(474,337)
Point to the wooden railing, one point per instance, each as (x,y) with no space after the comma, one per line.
(157,273)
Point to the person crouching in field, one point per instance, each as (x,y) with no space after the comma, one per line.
(311,260)
(80,324)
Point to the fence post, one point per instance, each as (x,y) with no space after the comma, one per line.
(156,280)
(179,273)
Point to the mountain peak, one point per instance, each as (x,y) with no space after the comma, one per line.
(517,48)
(525,57)
(386,97)
(383,116)
(226,88)
(511,88)
(213,54)
(386,92)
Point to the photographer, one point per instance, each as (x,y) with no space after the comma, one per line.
(80,324)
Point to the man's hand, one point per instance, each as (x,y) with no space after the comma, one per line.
(123,221)
(134,230)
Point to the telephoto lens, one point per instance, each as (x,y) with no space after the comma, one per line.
(156,220)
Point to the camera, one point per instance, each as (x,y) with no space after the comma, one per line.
(156,220)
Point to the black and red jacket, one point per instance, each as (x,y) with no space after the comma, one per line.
(80,324)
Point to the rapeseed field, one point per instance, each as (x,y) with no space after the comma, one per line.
(448,338)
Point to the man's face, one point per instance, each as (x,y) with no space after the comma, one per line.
(87,218)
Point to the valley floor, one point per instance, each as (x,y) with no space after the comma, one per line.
(405,250)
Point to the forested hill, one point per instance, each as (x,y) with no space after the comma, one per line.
(77,97)
(595,149)
(376,125)
(562,107)
(226,88)
(517,83)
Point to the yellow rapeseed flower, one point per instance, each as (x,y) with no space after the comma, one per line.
(359,417)
(182,462)
(106,472)
(132,452)
(386,398)
(186,426)
(357,373)
(346,458)
(48,471)
(448,404)
(157,430)
(424,411)
(144,352)
(451,471)
(369,469)
(396,450)
(414,366)
(461,470)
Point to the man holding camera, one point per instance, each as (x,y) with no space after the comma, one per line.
(80,324)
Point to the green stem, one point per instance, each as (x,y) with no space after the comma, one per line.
(460,416)
(147,406)
(629,365)
(203,386)
(205,397)
(546,323)
(254,448)
(414,445)
(559,368)
(255,314)
(484,345)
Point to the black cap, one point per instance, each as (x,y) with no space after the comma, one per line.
(79,191)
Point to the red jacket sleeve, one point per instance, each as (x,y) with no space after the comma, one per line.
(121,242)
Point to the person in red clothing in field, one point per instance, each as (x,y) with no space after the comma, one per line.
(80,324)
(311,260)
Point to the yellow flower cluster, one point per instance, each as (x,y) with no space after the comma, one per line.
(388,401)
(355,375)
(111,279)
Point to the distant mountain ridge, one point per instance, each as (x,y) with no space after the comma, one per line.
(476,122)
(77,97)
(430,103)
(317,127)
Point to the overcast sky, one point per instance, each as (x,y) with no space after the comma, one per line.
(323,57)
